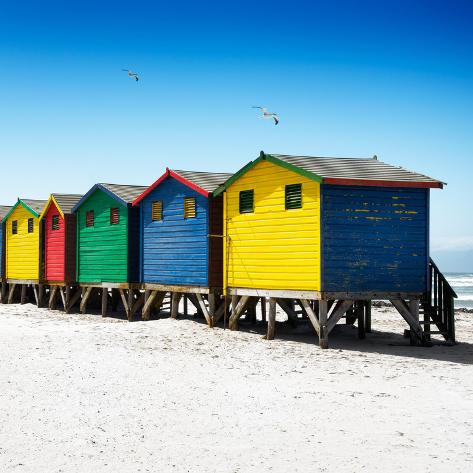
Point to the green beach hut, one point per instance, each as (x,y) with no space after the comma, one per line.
(108,241)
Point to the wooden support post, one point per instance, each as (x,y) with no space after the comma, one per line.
(341,307)
(124,301)
(86,292)
(73,300)
(186,308)
(137,304)
(175,298)
(311,314)
(204,310)
(414,310)
(237,311)
(263,309)
(104,301)
(4,294)
(413,321)
(221,309)
(323,334)
(11,293)
(35,292)
(52,297)
(131,300)
(150,296)
(24,294)
(360,315)
(235,300)
(368,316)
(68,298)
(271,319)
(212,304)
(40,295)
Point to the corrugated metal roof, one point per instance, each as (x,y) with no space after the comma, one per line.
(354,168)
(36,205)
(4,209)
(67,201)
(208,181)
(124,192)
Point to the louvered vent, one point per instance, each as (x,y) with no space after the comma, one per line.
(14,227)
(114,216)
(156,211)
(246,201)
(294,196)
(89,218)
(189,207)
(55,222)
(30,225)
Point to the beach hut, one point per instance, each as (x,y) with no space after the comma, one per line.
(23,249)
(108,244)
(329,233)
(181,240)
(59,248)
(3,211)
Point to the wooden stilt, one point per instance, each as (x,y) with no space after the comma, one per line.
(150,297)
(175,298)
(104,301)
(271,319)
(73,300)
(85,297)
(263,309)
(186,312)
(52,298)
(368,316)
(414,310)
(204,309)
(4,294)
(237,311)
(222,309)
(288,308)
(11,293)
(124,301)
(412,320)
(360,315)
(35,292)
(24,294)
(211,310)
(323,334)
(311,314)
(40,295)
(131,301)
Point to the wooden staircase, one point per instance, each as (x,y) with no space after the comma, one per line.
(437,306)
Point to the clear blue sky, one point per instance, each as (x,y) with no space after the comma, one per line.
(347,78)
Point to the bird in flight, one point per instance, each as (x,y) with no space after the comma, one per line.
(132,74)
(268,114)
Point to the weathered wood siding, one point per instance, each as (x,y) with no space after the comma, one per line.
(374,238)
(273,248)
(22,249)
(54,246)
(175,249)
(102,249)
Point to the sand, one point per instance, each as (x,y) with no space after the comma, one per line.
(84,394)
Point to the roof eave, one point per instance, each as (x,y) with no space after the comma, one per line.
(50,201)
(177,177)
(92,190)
(382,183)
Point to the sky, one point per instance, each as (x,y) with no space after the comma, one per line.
(348,78)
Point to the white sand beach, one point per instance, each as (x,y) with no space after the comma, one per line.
(84,394)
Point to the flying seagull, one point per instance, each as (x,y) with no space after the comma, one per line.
(132,74)
(268,114)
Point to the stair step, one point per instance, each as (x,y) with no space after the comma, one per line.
(435,332)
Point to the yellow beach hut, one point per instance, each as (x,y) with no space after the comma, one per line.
(23,247)
(331,234)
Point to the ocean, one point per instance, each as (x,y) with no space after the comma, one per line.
(462,284)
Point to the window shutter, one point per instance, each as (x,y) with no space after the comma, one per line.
(14,227)
(114,216)
(89,218)
(156,211)
(246,201)
(293,196)
(189,207)
(30,225)
(55,222)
